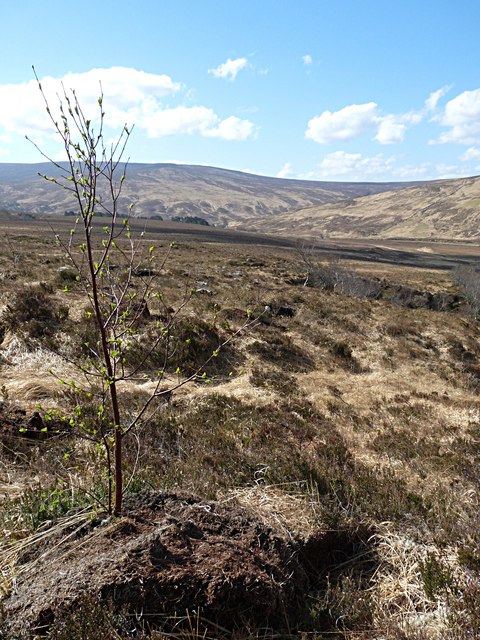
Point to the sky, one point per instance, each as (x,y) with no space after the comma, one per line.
(349,90)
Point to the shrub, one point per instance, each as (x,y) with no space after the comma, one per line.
(403,327)
(66,275)
(280,349)
(468,278)
(220,442)
(191,220)
(279,381)
(34,312)
(436,577)
(38,505)
(332,276)
(187,347)
(344,356)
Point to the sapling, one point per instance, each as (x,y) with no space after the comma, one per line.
(116,271)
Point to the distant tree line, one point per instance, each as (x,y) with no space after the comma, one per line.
(98,214)
(190,220)
(183,219)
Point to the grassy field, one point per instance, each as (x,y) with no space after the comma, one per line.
(336,413)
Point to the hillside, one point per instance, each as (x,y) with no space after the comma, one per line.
(218,195)
(443,209)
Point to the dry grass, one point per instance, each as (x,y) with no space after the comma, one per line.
(346,410)
(404,572)
(17,543)
(290,508)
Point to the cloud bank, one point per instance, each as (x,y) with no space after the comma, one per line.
(460,117)
(356,119)
(131,96)
(356,167)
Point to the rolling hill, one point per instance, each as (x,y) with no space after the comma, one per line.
(222,197)
(442,209)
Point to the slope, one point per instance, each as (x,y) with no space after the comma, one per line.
(220,196)
(443,209)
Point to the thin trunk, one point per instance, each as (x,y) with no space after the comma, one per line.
(118,435)
(117,463)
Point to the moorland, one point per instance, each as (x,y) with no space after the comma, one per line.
(321,479)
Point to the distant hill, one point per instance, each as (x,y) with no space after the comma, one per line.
(221,197)
(442,209)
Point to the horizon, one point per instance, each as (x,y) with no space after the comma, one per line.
(307,91)
(258,175)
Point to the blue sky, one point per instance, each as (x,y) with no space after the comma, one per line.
(338,90)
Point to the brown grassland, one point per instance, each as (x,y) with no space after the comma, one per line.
(336,415)
(440,209)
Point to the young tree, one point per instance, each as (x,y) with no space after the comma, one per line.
(116,272)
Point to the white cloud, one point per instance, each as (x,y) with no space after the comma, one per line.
(431,102)
(410,172)
(286,171)
(390,130)
(178,120)
(411,117)
(307,59)
(354,120)
(344,166)
(471,154)
(130,96)
(445,171)
(22,107)
(229,69)
(191,120)
(462,116)
(340,164)
(232,128)
(345,124)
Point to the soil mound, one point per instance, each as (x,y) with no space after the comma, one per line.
(166,555)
